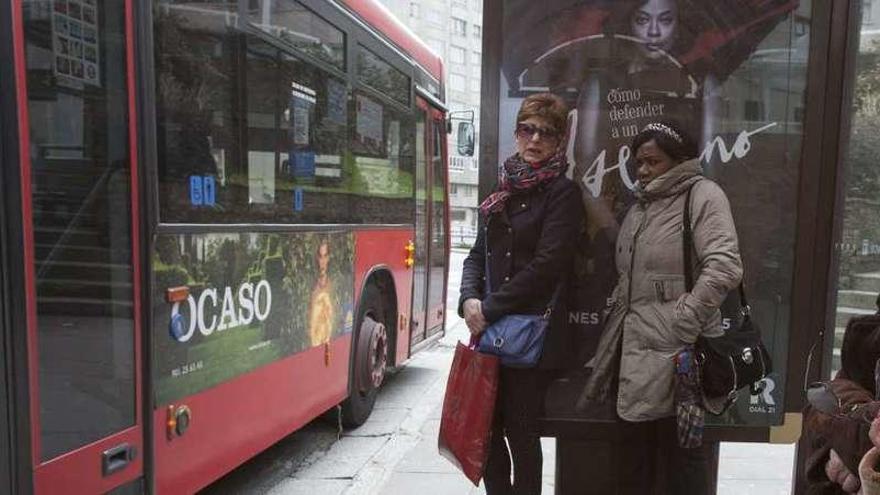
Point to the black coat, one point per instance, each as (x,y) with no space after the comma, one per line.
(531,244)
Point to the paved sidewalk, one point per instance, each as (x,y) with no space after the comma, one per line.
(752,469)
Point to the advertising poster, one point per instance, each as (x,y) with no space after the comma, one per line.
(253,299)
(75,41)
(731,74)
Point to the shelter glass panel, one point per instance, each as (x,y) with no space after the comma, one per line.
(856,281)
(740,96)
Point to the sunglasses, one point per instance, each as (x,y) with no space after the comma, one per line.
(528,131)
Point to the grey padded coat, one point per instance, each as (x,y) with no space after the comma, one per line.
(652,315)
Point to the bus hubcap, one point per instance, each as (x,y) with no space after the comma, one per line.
(376,337)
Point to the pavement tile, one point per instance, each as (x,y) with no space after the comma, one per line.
(293,486)
(430,484)
(385,421)
(425,458)
(766,487)
(345,458)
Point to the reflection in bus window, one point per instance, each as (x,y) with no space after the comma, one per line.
(292,22)
(380,75)
(262,124)
(252,132)
(383,148)
(80,186)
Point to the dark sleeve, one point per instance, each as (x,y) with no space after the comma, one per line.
(846,433)
(552,259)
(473,272)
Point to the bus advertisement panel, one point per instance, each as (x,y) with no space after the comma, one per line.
(253,298)
(733,74)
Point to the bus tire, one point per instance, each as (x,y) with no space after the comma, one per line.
(370,358)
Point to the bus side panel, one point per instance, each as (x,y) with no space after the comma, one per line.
(387,248)
(236,420)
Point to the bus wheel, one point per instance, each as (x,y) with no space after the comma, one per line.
(370,359)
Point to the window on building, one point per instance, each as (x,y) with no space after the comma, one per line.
(478,32)
(459,3)
(867,18)
(457,55)
(475,84)
(435,17)
(457,82)
(477,5)
(458,215)
(453,189)
(414,10)
(436,45)
(459,26)
(477,59)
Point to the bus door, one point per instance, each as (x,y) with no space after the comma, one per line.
(438,239)
(81,256)
(419,321)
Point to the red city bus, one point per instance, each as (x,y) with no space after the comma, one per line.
(220,219)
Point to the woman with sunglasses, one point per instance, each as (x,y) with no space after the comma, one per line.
(530,224)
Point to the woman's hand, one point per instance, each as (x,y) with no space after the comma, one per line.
(473,316)
(837,472)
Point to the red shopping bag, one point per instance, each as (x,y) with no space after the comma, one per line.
(468,408)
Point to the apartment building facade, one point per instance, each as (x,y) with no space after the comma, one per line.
(453,29)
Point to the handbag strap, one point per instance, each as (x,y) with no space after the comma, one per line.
(687,245)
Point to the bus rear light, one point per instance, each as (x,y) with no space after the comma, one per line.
(176,294)
(171,423)
(409,256)
(178,422)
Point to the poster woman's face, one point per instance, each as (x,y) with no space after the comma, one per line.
(652,162)
(323,257)
(536,139)
(656,24)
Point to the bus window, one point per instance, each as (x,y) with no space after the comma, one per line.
(380,75)
(196,104)
(292,22)
(249,132)
(383,149)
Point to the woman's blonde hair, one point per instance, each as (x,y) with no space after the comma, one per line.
(546,106)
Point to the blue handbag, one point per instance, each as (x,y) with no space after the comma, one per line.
(516,339)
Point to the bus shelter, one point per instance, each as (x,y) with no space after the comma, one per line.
(782,96)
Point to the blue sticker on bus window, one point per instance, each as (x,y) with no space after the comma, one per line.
(196,190)
(303,163)
(298,199)
(209,189)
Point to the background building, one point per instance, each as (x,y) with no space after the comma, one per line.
(454,29)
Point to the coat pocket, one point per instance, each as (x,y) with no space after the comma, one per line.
(667,288)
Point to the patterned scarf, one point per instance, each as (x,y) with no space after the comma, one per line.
(689,411)
(518,175)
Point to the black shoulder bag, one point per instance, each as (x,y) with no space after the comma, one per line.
(736,360)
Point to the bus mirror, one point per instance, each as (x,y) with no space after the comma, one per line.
(465,141)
